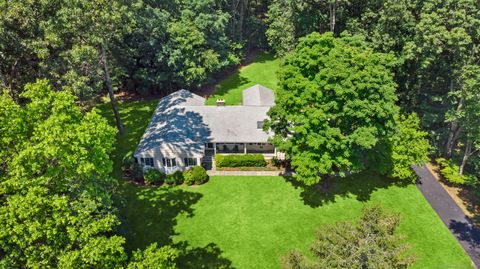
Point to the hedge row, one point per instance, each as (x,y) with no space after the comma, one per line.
(246,160)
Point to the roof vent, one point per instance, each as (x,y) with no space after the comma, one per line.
(220,102)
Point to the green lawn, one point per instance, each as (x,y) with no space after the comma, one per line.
(250,222)
(135,117)
(262,71)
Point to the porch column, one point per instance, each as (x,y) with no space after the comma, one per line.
(275,151)
(214,148)
(245,148)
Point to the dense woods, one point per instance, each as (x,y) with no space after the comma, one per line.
(59,57)
(158,46)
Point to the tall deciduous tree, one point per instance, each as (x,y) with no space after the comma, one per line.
(336,100)
(288,20)
(469,115)
(446,39)
(403,147)
(95,23)
(55,207)
(281,26)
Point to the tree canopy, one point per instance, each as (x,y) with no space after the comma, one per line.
(336,100)
(55,207)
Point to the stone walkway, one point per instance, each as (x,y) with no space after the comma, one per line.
(450,213)
(247,173)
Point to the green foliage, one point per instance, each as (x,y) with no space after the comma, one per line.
(195,175)
(130,167)
(405,146)
(290,19)
(450,171)
(370,243)
(276,162)
(281,26)
(188,57)
(154,257)
(335,101)
(175,178)
(137,171)
(128,161)
(169,179)
(188,40)
(55,206)
(153,177)
(241,160)
(178,177)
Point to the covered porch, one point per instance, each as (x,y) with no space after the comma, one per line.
(240,148)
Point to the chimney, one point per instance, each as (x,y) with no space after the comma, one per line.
(220,102)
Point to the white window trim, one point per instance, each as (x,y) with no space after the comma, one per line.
(166,161)
(186,161)
(143,161)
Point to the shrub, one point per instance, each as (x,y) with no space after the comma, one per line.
(153,177)
(188,177)
(450,171)
(169,179)
(128,161)
(247,160)
(196,174)
(176,178)
(136,171)
(276,162)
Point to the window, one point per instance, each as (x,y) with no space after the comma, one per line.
(190,161)
(259,124)
(169,162)
(147,161)
(209,145)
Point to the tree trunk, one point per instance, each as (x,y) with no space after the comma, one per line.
(466,154)
(453,132)
(333,15)
(325,178)
(243,6)
(108,82)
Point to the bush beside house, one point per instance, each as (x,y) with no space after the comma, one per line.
(153,177)
(176,178)
(247,160)
(131,169)
(195,175)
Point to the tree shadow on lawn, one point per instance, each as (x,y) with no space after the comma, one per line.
(232,82)
(466,231)
(360,185)
(149,216)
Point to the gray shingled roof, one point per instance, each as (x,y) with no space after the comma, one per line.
(258,95)
(182,123)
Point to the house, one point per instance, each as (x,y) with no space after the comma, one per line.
(185,132)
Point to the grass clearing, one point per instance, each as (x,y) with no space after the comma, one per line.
(262,71)
(251,222)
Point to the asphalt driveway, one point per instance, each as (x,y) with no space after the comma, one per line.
(450,213)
